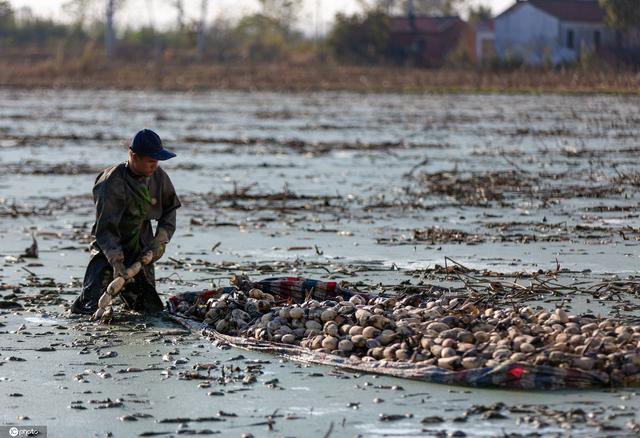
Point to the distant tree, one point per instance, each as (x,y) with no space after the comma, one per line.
(360,38)
(5,9)
(479,13)
(262,38)
(179,5)
(109,34)
(7,16)
(41,33)
(143,37)
(78,10)
(380,5)
(285,12)
(202,29)
(418,7)
(7,21)
(434,7)
(224,41)
(622,14)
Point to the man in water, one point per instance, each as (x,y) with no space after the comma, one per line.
(127,197)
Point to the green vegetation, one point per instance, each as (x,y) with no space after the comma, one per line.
(360,38)
(34,32)
(622,14)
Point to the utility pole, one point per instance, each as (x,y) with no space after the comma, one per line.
(108,34)
(201,29)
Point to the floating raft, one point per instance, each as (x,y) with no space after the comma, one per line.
(520,376)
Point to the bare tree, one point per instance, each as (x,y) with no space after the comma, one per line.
(7,20)
(77,9)
(416,7)
(438,7)
(108,30)
(179,5)
(202,29)
(284,11)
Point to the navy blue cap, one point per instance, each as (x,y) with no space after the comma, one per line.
(148,143)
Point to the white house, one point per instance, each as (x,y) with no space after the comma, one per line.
(484,41)
(551,31)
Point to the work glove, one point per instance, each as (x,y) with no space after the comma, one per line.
(119,270)
(159,244)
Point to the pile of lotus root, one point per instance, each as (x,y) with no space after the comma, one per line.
(453,334)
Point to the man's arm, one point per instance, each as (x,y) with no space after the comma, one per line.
(167,222)
(170,203)
(109,196)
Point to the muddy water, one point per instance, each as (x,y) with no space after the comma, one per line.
(343,186)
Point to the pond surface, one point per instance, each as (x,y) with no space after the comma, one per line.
(371,188)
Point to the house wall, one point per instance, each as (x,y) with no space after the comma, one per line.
(528,34)
(480,42)
(535,37)
(438,47)
(485,44)
(426,49)
(583,39)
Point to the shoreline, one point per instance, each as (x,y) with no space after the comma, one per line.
(312,78)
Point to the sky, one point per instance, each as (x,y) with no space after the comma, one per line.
(162,13)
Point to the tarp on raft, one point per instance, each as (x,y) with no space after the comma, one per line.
(295,290)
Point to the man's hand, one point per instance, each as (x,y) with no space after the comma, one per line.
(147,257)
(119,270)
(158,249)
(159,244)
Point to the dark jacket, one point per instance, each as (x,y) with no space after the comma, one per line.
(125,206)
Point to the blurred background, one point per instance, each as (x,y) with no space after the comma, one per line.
(398,45)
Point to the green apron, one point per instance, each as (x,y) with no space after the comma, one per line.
(132,220)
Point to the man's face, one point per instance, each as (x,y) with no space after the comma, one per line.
(142,165)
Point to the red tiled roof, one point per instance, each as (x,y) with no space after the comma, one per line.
(567,10)
(422,24)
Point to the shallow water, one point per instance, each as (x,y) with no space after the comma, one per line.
(321,185)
